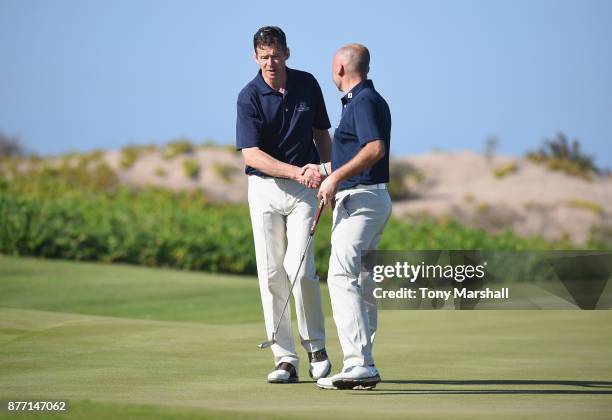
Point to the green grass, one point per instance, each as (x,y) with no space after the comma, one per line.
(128,292)
(129,342)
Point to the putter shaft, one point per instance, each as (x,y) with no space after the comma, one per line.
(311,233)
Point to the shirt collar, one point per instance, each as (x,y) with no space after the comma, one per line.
(265,89)
(355,91)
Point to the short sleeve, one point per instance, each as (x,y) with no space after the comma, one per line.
(321,119)
(248,124)
(367,122)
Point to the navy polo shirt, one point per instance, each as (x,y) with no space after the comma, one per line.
(365,117)
(281,125)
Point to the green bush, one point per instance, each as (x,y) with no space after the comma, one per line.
(558,155)
(504,170)
(129,155)
(151,227)
(65,180)
(191,168)
(10,146)
(94,156)
(73,214)
(224,171)
(8,167)
(177,147)
(160,172)
(399,174)
(587,205)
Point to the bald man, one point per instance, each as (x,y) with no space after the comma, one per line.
(356,178)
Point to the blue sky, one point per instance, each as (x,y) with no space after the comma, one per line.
(78,75)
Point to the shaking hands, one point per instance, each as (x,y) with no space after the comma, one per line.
(310,176)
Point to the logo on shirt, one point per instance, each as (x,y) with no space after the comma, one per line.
(302,106)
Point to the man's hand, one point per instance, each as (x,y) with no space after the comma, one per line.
(310,176)
(311,166)
(328,189)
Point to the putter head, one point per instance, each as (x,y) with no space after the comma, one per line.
(268,343)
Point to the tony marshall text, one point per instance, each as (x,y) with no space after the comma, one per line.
(426,293)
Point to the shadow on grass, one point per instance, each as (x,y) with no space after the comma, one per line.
(586,384)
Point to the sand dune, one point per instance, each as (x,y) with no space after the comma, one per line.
(530,199)
(524,197)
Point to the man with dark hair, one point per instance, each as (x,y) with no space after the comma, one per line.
(281,126)
(357,181)
(270,36)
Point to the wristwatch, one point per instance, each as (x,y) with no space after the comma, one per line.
(323,170)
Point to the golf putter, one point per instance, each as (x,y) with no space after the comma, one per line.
(315,222)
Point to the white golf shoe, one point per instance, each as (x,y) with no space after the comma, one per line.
(354,377)
(285,373)
(320,366)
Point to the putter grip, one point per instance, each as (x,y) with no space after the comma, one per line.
(315,222)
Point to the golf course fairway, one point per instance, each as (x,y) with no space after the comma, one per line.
(123,342)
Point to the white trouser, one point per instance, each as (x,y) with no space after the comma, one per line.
(359,218)
(282,212)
